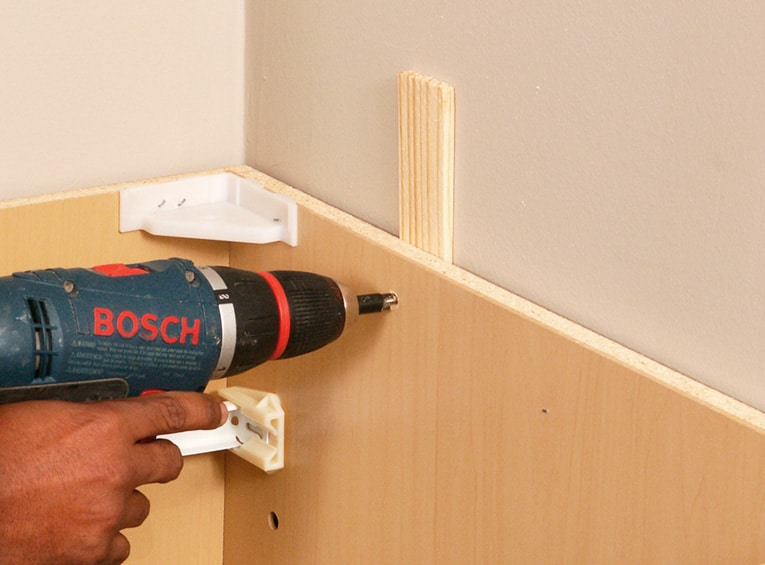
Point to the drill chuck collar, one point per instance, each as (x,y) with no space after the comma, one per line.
(276,315)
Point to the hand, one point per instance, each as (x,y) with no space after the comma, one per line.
(68,472)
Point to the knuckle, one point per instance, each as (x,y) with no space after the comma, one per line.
(112,509)
(116,475)
(108,422)
(171,413)
(95,550)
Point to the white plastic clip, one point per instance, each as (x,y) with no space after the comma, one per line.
(254,430)
(263,411)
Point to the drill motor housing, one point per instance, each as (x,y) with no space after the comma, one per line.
(158,325)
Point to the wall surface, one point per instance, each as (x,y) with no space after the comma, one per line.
(609,157)
(100,91)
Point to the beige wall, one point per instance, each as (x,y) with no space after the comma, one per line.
(610,156)
(101,91)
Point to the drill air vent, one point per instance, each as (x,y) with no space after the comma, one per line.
(43,336)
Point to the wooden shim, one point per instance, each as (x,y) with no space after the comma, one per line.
(426,163)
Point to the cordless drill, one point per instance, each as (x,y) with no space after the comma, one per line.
(122,330)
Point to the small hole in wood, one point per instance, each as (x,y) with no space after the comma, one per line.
(545,411)
(273,521)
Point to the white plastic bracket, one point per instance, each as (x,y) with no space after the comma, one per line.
(254,430)
(221,206)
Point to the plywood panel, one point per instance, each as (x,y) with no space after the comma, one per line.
(81,229)
(470,426)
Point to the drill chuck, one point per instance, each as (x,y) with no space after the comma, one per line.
(277,314)
(164,324)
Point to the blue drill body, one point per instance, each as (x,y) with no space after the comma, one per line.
(123,330)
(156,326)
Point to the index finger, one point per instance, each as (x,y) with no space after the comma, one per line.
(170,412)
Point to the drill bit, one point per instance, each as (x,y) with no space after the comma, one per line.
(377,302)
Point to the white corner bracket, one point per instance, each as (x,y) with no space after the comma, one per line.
(222,206)
(254,430)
